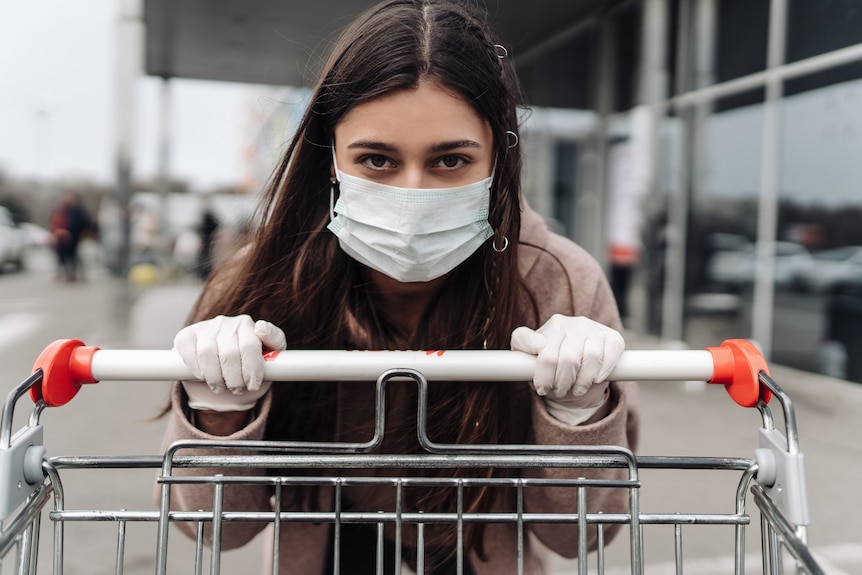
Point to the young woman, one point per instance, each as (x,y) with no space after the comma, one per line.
(395,221)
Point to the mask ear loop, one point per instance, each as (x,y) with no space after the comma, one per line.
(505,239)
(333,181)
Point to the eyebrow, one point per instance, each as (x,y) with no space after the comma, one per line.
(457,144)
(371,145)
(436,148)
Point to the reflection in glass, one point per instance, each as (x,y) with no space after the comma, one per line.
(818,313)
(722,227)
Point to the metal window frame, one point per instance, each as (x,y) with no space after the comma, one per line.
(772,79)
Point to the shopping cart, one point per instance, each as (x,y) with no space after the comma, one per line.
(773,478)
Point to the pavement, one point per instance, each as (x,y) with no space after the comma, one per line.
(677,418)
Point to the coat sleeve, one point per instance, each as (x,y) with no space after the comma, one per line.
(199,496)
(562,278)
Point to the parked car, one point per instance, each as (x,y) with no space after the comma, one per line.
(13,242)
(832,271)
(36,236)
(734,268)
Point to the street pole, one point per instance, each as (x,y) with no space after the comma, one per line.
(770,175)
(128,42)
(165,140)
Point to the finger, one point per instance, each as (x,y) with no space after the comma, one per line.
(532,342)
(229,356)
(207,356)
(614,345)
(591,364)
(527,340)
(186,346)
(251,359)
(271,336)
(547,363)
(570,363)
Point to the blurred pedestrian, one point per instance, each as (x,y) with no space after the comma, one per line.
(69,222)
(207,230)
(144,233)
(623,261)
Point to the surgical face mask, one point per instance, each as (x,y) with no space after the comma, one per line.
(410,235)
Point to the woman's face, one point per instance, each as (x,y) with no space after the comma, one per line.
(422,138)
(426,137)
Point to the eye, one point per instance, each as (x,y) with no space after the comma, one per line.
(375,161)
(451,162)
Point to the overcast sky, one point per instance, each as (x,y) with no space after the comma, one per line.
(821,150)
(57,87)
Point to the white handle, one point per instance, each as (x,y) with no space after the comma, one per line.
(452,365)
(66,364)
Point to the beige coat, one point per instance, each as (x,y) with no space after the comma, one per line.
(563,279)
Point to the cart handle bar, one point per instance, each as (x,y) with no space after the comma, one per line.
(66,364)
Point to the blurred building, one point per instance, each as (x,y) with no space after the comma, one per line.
(274,114)
(707,151)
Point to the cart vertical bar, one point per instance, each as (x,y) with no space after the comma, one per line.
(582,530)
(218,517)
(520,503)
(398,496)
(164,511)
(336,545)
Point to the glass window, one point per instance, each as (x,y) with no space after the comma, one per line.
(562,77)
(743,33)
(627,34)
(818,26)
(722,227)
(818,303)
(565,185)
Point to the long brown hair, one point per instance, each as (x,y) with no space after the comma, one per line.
(295,274)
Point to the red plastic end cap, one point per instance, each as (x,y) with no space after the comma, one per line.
(65,365)
(271,354)
(738,364)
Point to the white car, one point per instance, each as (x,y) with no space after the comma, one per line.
(734,268)
(13,242)
(36,236)
(832,271)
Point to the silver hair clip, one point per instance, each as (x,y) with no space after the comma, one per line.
(501,51)
(509,135)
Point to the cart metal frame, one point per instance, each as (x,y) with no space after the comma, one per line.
(774,478)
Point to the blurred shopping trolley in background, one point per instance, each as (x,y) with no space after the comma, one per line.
(32,483)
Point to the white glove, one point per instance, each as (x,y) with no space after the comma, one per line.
(226,354)
(575,357)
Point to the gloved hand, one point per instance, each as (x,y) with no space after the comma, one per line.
(226,355)
(575,357)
